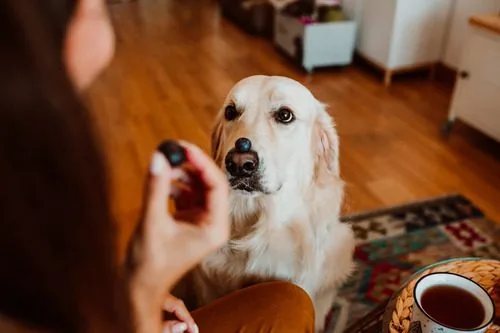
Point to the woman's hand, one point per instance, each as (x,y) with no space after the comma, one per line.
(185,322)
(165,247)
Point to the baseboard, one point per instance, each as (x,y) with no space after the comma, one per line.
(446,74)
(438,71)
(389,73)
(360,58)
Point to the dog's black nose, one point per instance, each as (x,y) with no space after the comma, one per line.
(241,164)
(243,145)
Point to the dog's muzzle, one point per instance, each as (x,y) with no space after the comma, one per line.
(242,164)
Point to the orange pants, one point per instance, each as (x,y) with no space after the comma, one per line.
(278,307)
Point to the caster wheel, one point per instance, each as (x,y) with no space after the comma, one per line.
(447,127)
(309,70)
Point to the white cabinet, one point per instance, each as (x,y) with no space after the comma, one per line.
(476,98)
(462,10)
(400,35)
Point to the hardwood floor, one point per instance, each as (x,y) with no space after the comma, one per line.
(176,60)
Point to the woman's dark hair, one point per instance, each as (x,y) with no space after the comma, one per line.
(57,249)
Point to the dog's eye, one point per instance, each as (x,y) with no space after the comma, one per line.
(230,113)
(284,116)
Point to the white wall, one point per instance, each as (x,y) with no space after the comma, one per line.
(354,10)
(424,23)
(377,22)
(462,10)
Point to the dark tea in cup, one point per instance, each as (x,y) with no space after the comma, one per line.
(453,307)
(450,303)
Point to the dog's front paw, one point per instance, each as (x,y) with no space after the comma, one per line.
(319,325)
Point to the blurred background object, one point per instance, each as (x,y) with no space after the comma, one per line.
(255,17)
(315,35)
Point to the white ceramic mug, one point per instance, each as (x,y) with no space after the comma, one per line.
(423,322)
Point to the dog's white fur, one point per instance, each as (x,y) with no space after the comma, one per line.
(293,231)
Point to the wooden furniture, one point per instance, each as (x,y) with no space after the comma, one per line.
(254,17)
(489,22)
(402,35)
(476,98)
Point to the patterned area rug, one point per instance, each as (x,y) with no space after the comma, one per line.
(394,243)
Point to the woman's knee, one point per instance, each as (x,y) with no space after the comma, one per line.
(265,307)
(290,293)
(289,306)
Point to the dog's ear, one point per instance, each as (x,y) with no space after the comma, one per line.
(216,138)
(325,145)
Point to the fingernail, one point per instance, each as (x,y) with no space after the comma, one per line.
(179,328)
(157,164)
(196,329)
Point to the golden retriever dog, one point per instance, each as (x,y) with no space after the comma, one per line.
(279,149)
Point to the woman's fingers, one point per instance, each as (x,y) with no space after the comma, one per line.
(215,192)
(191,216)
(210,174)
(213,179)
(159,185)
(180,175)
(174,326)
(178,190)
(176,306)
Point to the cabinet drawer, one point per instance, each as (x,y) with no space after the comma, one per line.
(478,103)
(481,56)
(477,94)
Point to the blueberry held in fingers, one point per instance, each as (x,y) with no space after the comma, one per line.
(174,152)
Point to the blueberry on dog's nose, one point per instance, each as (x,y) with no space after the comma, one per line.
(243,145)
